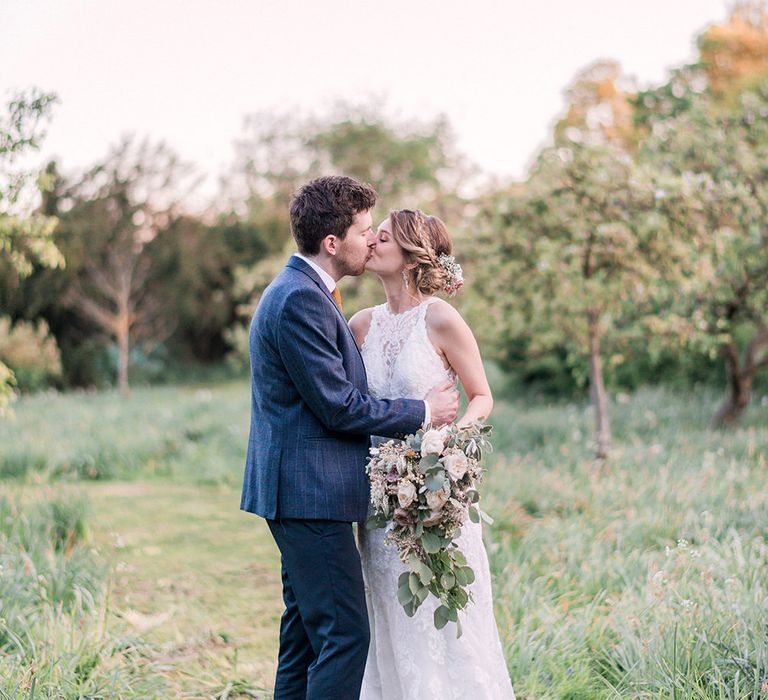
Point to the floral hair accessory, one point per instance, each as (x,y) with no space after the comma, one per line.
(453,273)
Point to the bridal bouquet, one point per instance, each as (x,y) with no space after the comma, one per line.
(423,489)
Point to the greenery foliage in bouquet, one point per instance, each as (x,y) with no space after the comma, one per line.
(423,490)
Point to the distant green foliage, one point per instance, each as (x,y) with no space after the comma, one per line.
(411,164)
(722,309)
(25,234)
(31,353)
(665,188)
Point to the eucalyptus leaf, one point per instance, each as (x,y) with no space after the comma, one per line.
(464,575)
(425,573)
(441,617)
(435,481)
(404,595)
(430,542)
(461,596)
(469,575)
(427,462)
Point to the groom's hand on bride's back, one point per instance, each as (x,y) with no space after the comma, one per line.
(443,400)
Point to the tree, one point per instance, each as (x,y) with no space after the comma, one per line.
(726,305)
(411,164)
(600,108)
(25,235)
(193,265)
(584,239)
(709,123)
(734,55)
(116,212)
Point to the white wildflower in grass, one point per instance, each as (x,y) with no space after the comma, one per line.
(423,489)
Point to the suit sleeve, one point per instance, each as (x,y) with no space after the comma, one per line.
(306,335)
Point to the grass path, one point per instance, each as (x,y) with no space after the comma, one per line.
(196,577)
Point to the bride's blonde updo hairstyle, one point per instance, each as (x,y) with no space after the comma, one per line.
(423,239)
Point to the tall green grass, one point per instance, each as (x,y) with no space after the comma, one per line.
(642,577)
(191,433)
(646,577)
(54,641)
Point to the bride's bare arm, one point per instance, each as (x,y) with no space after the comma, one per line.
(455,341)
(359,325)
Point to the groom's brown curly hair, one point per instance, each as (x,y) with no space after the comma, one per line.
(326,206)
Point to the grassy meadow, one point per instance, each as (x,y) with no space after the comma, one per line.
(128,570)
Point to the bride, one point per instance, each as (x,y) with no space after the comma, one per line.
(409,344)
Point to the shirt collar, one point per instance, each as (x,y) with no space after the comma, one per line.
(328,281)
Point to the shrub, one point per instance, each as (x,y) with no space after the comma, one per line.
(31,352)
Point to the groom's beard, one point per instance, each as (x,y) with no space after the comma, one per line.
(348,266)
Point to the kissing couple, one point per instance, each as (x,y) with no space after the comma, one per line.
(323,390)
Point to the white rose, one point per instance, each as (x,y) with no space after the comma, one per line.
(431,443)
(406,493)
(456,464)
(436,499)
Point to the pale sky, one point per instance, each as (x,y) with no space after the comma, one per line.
(188,71)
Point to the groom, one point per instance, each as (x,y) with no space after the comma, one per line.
(311,417)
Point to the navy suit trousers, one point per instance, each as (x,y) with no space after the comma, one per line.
(324,632)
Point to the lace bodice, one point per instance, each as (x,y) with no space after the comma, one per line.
(408,659)
(400,359)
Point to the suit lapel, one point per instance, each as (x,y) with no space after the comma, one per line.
(300,265)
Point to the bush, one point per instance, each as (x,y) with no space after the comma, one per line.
(237,337)
(31,352)
(7,394)
(87,364)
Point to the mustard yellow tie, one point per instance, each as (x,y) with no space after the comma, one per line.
(336,294)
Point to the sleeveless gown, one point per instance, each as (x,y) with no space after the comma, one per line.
(408,658)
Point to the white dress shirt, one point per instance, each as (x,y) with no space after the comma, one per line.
(329,282)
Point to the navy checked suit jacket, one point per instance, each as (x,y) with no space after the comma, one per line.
(311,416)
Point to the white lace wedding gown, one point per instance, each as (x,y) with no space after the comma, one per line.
(408,657)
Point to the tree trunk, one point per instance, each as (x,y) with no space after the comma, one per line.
(597,393)
(741,378)
(121,331)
